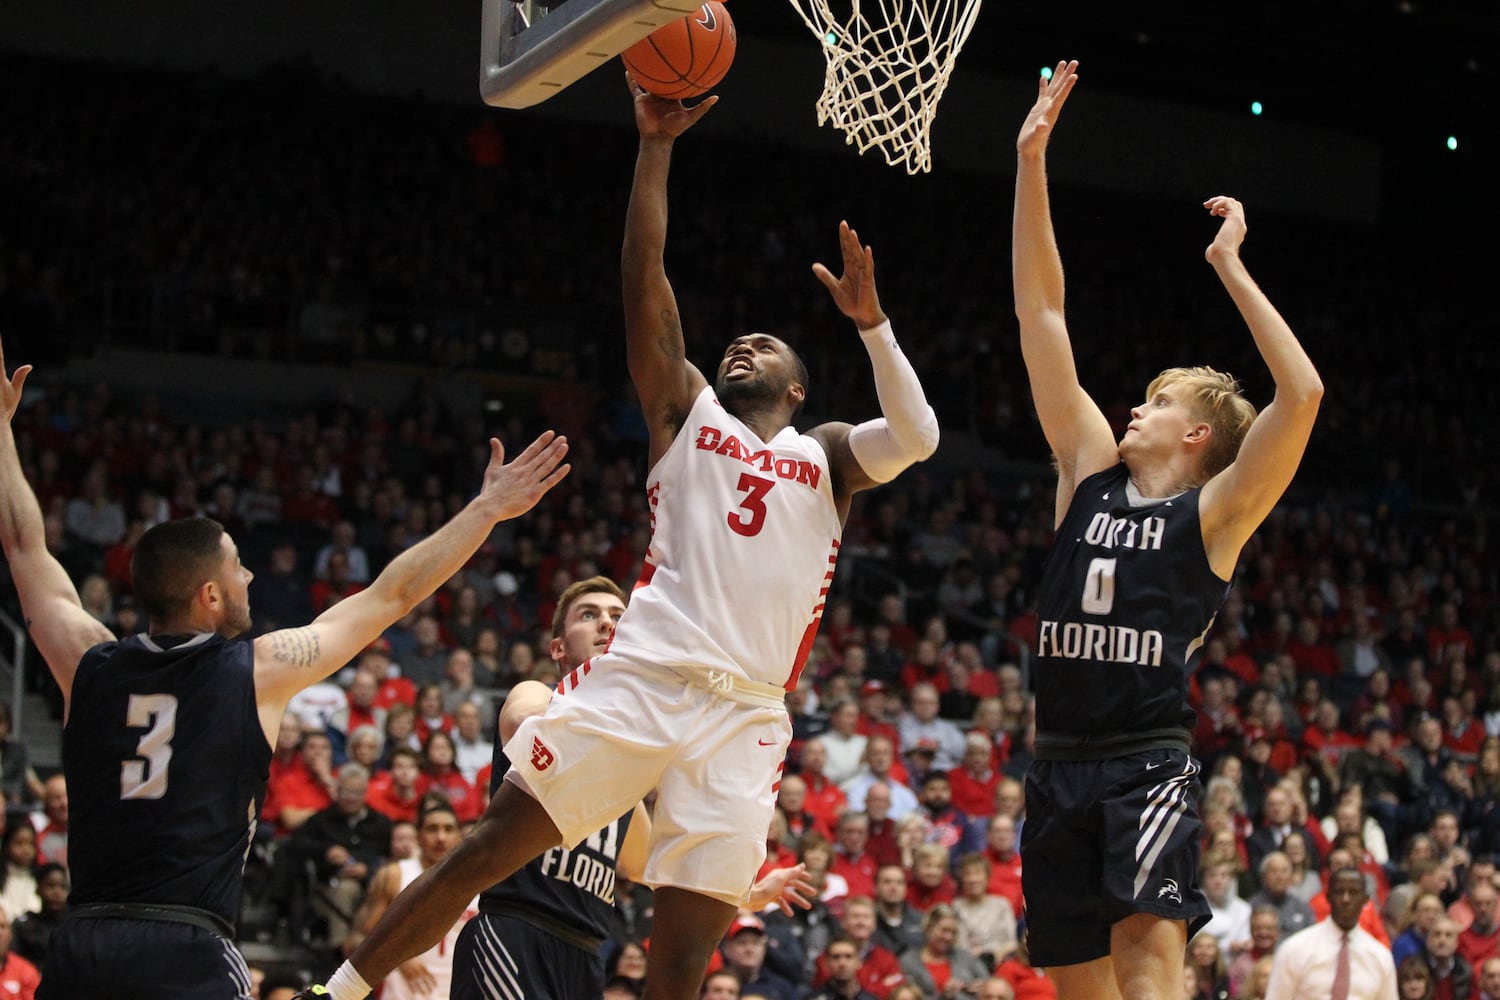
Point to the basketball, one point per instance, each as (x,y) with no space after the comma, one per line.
(687,57)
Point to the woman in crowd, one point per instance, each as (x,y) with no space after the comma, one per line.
(18,881)
(939,968)
(444,777)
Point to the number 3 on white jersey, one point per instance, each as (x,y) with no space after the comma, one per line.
(1099,589)
(147,779)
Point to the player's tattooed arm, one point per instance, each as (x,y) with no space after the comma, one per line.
(296,646)
(671,343)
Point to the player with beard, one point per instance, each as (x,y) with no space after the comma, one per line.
(690,697)
(167,735)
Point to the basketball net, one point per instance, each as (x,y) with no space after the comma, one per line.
(886,72)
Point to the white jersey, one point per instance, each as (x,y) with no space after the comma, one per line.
(438,959)
(744,535)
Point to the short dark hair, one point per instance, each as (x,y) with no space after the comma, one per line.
(171,561)
(575,590)
(799,371)
(434,802)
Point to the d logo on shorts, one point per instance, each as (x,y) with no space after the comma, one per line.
(541,757)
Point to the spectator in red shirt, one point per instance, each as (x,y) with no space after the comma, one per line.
(360,709)
(929,882)
(879,972)
(851,857)
(334,587)
(1029,983)
(431,717)
(18,977)
(825,800)
(778,855)
(973,782)
(1447,634)
(1218,726)
(1480,941)
(881,842)
(791,802)
(1461,732)
(305,505)
(1005,861)
(1311,653)
(1324,739)
(926,666)
(301,778)
(52,838)
(395,689)
(874,717)
(444,777)
(397,793)
(892,611)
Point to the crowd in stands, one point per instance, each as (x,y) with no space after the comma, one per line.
(1349,693)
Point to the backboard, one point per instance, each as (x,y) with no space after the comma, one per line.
(528,52)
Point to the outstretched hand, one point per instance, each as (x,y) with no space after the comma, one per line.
(515,488)
(854,291)
(1232,232)
(660,118)
(1051,95)
(785,887)
(10,387)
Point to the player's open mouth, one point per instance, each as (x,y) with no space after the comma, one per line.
(739,366)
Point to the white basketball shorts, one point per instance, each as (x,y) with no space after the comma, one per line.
(618,728)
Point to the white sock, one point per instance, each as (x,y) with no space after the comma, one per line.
(347,984)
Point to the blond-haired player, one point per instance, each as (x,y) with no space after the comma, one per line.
(1149,528)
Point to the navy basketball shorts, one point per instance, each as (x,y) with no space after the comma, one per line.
(1105,839)
(127,959)
(503,958)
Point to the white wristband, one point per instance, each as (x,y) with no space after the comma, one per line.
(908,431)
(347,984)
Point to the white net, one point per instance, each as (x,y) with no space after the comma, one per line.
(888,65)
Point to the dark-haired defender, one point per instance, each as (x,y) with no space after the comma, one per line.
(167,735)
(1148,532)
(539,933)
(690,698)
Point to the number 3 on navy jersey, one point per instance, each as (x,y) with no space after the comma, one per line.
(1099,589)
(754,504)
(147,779)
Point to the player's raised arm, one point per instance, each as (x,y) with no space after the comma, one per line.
(664,379)
(863,455)
(1076,430)
(59,626)
(288,660)
(1238,499)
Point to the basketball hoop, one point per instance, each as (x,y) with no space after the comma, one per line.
(887,72)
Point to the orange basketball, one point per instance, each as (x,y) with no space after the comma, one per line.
(687,57)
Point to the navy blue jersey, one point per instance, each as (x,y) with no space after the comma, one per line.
(572,892)
(1126,598)
(166,764)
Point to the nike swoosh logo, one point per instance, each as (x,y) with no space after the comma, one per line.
(767,743)
(707,20)
(1152,767)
